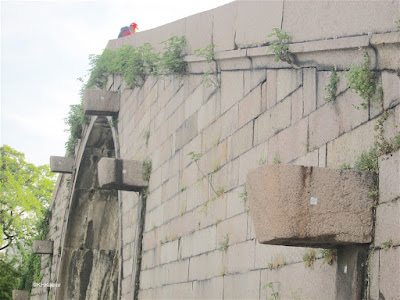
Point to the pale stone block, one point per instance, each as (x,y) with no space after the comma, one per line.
(121,174)
(274,256)
(217,156)
(391,89)
(272,121)
(322,156)
(235,204)
(176,119)
(323,79)
(252,79)
(309,160)
(199,26)
(296,281)
(297,106)
(302,19)
(61,164)
(175,291)
(389,273)
(287,82)
(194,101)
(271,89)
(177,271)
(242,140)
(231,89)
(239,257)
(212,212)
(224,35)
(324,125)
(169,251)
(209,289)
(242,286)
(199,242)
(209,112)
(170,188)
(290,143)
(347,148)
(227,176)
(151,278)
(387,224)
(101,102)
(317,195)
(190,175)
(250,106)
(205,266)
(193,146)
(235,229)
(309,90)
(235,61)
(197,194)
(255,20)
(149,240)
(373,271)
(154,218)
(247,161)
(188,131)
(127,267)
(389,177)
(42,247)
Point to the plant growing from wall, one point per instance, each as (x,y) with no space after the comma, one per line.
(309,258)
(171,60)
(361,79)
(225,243)
(331,88)
(146,137)
(329,256)
(277,159)
(280,46)
(387,245)
(147,167)
(210,77)
(274,294)
(75,120)
(243,196)
(278,261)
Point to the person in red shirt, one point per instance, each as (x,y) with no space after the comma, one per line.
(125,31)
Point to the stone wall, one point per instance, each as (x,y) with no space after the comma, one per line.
(197,244)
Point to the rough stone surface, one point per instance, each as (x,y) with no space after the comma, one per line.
(295,205)
(43,247)
(61,164)
(20,295)
(121,174)
(101,102)
(389,177)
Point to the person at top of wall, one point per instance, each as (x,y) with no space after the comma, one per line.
(125,31)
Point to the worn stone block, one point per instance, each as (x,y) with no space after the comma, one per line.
(61,164)
(387,223)
(199,242)
(389,177)
(209,112)
(242,140)
(391,89)
(270,93)
(303,206)
(187,132)
(309,90)
(205,266)
(121,174)
(224,35)
(272,121)
(239,257)
(101,102)
(20,295)
(42,247)
(231,89)
(389,273)
(209,289)
(177,271)
(274,256)
(287,82)
(169,252)
(252,79)
(324,125)
(242,286)
(250,106)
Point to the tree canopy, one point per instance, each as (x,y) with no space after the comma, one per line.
(25,194)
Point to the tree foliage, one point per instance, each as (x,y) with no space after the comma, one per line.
(25,194)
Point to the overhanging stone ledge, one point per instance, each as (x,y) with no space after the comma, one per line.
(101,102)
(62,164)
(121,174)
(42,247)
(310,206)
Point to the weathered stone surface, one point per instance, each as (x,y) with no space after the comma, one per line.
(389,177)
(42,247)
(61,164)
(242,286)
(121,174)
(101,102)
(389,273)
(20,295)
(387,223)
(310,206)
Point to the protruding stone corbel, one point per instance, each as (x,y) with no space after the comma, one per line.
(20,295)
(101,103)
(43,247)
(121,174)
(310,206)
(61,164)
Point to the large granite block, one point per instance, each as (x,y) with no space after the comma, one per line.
(101,102)
(42,247)
(61,164)
(310,206)
(121,174)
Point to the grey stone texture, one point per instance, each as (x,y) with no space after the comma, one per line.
(20,295)
(310,206)
(101,102)
(61,164)
(42,247)
(121,174)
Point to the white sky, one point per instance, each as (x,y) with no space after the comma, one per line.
(45,47)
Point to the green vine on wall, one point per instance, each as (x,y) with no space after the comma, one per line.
(210,77)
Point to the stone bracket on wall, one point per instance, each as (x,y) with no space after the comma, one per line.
(101,103)
(42,247)
(121,174)
(310,206)
(20,295)
(61,164)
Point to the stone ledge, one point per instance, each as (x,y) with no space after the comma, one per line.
(20,295)
(101,102)
(310,206)
(42,247)
(62,164)
(121,174)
